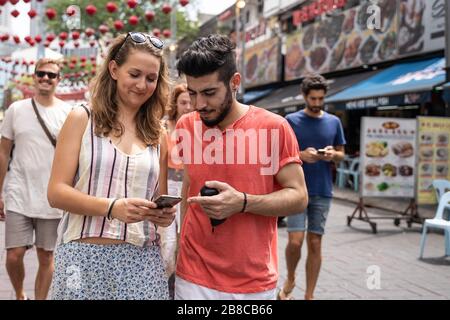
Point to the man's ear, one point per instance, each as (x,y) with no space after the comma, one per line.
(235,82)
(113,69)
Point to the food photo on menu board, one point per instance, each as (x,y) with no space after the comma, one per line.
(388,157)
(433,155)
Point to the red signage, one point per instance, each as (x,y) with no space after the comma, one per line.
(225,16)
(316,9)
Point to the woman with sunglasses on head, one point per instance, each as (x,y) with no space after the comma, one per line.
(109,166)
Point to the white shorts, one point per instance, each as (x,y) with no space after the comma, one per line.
(185,290)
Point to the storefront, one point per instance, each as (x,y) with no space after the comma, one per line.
(289,99)
(404,90)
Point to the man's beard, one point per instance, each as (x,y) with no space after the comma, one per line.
(225,107)
(315,109)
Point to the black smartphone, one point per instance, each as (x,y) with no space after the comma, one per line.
(321,151)
(209,192)
(166,201)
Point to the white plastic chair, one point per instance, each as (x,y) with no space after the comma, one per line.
(438,223)
(440,186)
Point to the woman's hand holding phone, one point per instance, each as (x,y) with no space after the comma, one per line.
(132,210)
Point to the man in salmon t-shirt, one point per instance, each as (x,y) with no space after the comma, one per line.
(251,156)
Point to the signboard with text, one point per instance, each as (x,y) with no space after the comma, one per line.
(388,157)
(433,155)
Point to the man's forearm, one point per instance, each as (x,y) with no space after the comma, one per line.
(279,203)
(338,156)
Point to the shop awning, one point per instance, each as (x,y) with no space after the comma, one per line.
(251,96)
(403,84)
(283,100)
(446,92)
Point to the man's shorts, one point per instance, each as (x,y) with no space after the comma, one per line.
(316,213)
(19,231)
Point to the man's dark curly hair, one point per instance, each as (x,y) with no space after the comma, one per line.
(314,81)
(208,55)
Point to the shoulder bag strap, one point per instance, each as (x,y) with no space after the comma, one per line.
(42,123)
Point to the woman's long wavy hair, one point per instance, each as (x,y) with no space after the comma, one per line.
(172,111)
(104,95)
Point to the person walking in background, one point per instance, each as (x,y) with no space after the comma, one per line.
(321,139)
(180,104)
(110,164)
(235,255)
(31,126)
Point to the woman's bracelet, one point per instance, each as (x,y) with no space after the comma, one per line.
(110,207)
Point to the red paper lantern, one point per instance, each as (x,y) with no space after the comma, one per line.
(132,3)
(166,8)
(156,32)
(16,39)
(73,60)
(50,13)
(26,1)
(184,2)
(92,43)
(75,35)
(72,66)
(76,44)
(62,43)
(83,65)
(38,39)
(27,39)
(166,33)
(31,42)
(111,7)
(4,38)
(103,29)
(118,25)
(91,10)
(89,32)
(93,58)
(149,15)
(14,2)
(70,11)
(93,71)
(32,13)
(3,2)
(50,37)
(83,59)
(63,35)
(133,20)
(15,13)
(47,44)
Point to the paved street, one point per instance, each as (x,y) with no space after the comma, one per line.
(348,253)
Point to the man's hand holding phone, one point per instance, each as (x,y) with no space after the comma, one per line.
(326,154)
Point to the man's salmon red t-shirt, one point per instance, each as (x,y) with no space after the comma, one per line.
(240,255)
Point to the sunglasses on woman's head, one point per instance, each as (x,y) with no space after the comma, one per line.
(139,37)
(50,75)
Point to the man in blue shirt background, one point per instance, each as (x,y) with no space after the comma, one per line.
(321,140)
